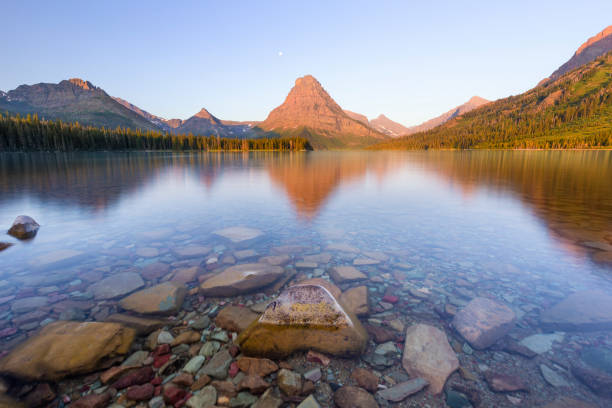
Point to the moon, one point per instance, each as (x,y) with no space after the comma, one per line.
(280,53)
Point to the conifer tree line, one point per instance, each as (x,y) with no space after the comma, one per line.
(29,133)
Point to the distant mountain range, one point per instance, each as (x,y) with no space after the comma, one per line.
(308,110)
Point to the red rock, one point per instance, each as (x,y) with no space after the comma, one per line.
(233,370)
(140,392)
(482,322)
(156,381)
(390,299)
(183,380)
(504,382)
(161,360)
(365,379)
(173,394)
(379,334)
(92,401)
(257,366)
(200,383)
(354,397)
(137,377)
(161,350)
(234,350)
(254,384)
(316,357)
(225,388)
(115,372)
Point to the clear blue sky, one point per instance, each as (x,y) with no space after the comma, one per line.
(410,60)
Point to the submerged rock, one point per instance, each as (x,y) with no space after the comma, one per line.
(401,391)
(595,370)
(24,227)
(304,317)
(345,274)
(142,325)
(427,354)
(235,318)
(584,310)
(239,234)
(117,285)
(67,348)
(240,279)
(4,245)
(356,300)
(354,397)
(164,298)
(482,322)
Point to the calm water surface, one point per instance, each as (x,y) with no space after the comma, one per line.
(528,228)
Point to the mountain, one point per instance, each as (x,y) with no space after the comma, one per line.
(594,47)
(473,103)
(572,111)
(73,100)
(310,112)
(202,123)
(358,117)
(385,125)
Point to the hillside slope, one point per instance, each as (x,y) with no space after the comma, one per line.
(574,111)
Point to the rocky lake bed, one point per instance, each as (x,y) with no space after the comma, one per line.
(241,319)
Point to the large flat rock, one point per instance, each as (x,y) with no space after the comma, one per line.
(57,258)
(67,348)
(235,318)
(161,299)
(581,311)
(346,274)
(239,234)
(428,355)
(483,321)
(304,317)
(241,279)
(116,285)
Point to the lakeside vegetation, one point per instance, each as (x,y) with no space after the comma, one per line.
(573,112)
(30,133)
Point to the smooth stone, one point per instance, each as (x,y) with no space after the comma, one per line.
(239,234)
(455,399)
(235,318)
(242,278)
(245,254)
(116,285)
(354,397)
(552,377)
(268,400)
(403,390)
(147,252)
(194,364)
(289,382)
(218,365)
(500,382)
(595,370)
(365,379)
(192,251)
(257,366)
(4,245)
(56,258)
(482,322)
(165,337)
(209,348)
(63,349)
(24,227)
(313,375)
(309,402)
(205,398)
(356,300)
(584,310)
(304,317)
(346,274)
(142,325)
(28,304)
(276,260)
(541,343)
(157,402)
(201,323)
(136,358)
(427,354)
(243,400)
(165,298)
(186,275)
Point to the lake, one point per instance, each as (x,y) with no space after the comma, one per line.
(435,229)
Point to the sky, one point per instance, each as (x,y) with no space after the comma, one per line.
(410,60)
